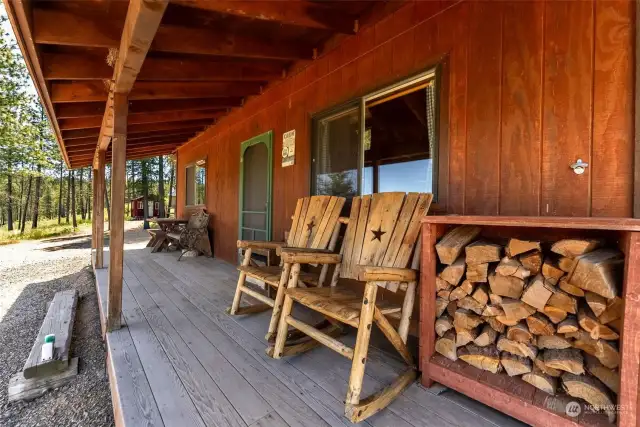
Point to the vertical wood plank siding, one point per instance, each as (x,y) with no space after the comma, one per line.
(532,87)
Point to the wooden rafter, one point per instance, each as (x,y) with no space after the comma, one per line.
(299,13)
(142,128)
(73,29)
(135,119)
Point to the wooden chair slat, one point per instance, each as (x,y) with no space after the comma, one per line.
(317,207)
(331,215)
(406,214)
(361,229)
(291,238)
(349,237)
(383,217)
(413,231)
(300,228)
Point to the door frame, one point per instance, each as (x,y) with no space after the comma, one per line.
(266,139)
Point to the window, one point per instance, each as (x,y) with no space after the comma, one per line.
(140,205)
(385,141)
(157,205)
(196,180)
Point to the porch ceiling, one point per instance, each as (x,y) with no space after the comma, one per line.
(207,57)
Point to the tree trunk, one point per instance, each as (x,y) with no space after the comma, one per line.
(83,213)
(20,201)
(68,196)
(73,199)
(89,201)
(171,178)
(145,190)
(161,186)
(9,203)
(26,205)
(36,199)
(60,196)
(107,193)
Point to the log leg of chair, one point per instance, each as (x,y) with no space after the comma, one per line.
(287,305)
(152,240)
(277,304)
(362,346)
(241,279)
(407,310)
(394,337)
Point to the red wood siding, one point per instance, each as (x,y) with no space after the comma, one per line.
(532,87)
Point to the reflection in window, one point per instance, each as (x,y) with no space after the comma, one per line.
(196,180)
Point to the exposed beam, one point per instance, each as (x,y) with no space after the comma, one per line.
(69,110)
(88,150)
(95,90)
(67,66)
(299,13)
(152,136)
(135,119)
(194,125)
(86,143)
(65,28)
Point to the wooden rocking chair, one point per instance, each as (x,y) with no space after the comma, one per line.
(382,231)
(314,225)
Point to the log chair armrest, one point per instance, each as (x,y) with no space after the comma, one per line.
(256,244)
(387,274)
(309,256)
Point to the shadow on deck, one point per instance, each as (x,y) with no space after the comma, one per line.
(182,361)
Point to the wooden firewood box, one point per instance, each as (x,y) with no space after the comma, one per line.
(512,395)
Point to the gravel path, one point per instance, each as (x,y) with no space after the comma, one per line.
(30,274)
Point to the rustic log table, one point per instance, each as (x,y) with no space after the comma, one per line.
(512,395)
(159,238)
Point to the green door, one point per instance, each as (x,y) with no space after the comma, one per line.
(256,163)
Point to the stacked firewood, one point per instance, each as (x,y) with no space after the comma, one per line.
(550,313)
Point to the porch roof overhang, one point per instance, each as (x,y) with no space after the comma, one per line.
(198,61)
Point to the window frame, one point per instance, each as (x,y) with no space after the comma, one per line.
(360,102)
(204,161)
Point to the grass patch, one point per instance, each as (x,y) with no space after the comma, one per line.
(46,228)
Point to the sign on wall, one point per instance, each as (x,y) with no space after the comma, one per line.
(288,148)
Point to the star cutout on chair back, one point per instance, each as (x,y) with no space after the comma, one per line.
(311,225)
(377,234)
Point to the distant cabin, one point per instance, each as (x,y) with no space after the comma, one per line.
(137,207)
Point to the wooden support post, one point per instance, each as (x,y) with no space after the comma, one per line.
(93,201)
(98,209)
(118,180)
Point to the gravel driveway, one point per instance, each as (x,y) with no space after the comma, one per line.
(30,274)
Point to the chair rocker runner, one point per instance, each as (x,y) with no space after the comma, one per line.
(379,245)
(314,226)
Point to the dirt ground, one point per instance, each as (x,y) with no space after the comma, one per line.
(31,273)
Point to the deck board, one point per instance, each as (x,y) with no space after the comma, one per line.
(181,360)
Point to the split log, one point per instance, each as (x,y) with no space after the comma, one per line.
(616,325)
(465,336)
(471,304)
(564,284)
(608,354)
(477,272)
(492,311)
(597,303)
(446,346)
(508,266)
(465,288)
(516,309)
(555,314)
(495,299)
(553,342)
(485,358)
(517,246)
(517,348)
(515,365)
(454,272)
(541,381)
(452,244)
(588,322)
(551,271)
(464,319)
(532,261)
(451,308)
(519,333)
(568,325)
(507,321)
(537,292)
(572,248)
(539,363)
(506,286)
(566,264)
(609,377)
(481,294)
(445,294)
(481,252)
(583,341)
(614,310)
(443,324)
(540,325)
(495,324)
(442,285)
(568,360)
(441,305)
(521,273)
(486,337)
(591,390)
(562,300)
(599,272)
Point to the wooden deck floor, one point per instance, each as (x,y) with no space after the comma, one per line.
(182,361)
